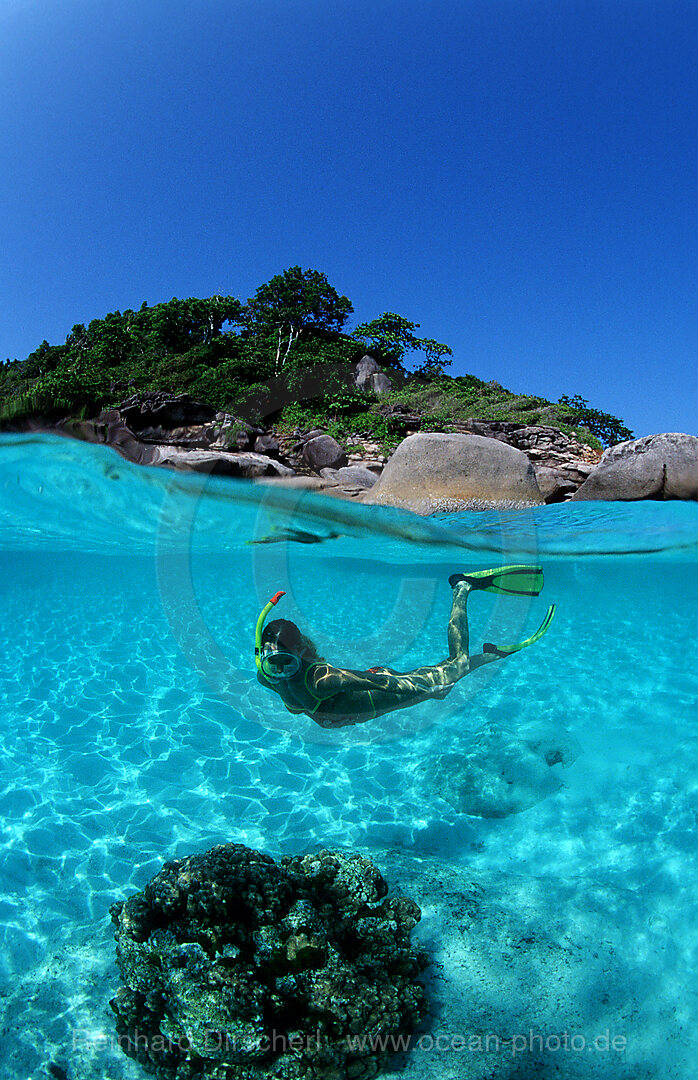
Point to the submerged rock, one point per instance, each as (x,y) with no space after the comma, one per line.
(239,968)
(500,773)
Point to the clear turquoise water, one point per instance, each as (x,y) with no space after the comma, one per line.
(133,730)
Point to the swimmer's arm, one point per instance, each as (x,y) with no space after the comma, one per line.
(325,681)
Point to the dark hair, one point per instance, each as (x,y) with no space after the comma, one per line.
(287,635)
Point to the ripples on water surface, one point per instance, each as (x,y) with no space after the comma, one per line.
(133,729)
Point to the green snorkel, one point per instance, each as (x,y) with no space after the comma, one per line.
(260,626)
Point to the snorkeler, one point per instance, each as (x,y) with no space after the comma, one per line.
(288,662)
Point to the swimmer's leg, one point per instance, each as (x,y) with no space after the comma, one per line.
(460,662)
(439,678)
(458,639)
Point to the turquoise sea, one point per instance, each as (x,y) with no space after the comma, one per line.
(133,731)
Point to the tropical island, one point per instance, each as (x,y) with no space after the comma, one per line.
(266,378)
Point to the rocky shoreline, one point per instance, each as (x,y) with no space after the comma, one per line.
(176,432)
(479,464)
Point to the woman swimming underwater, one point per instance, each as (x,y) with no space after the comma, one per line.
(288,662)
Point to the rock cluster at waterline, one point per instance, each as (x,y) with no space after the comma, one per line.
(656,467)
(515,464)
(239,968)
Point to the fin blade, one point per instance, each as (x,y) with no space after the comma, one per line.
(519,580)
(507,650)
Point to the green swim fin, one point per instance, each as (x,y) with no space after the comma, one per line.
(510,580)
(507,650)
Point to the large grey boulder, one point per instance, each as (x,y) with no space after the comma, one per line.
(244,465)
(352,476)
(663,466)
(324,452)
(350,482)
(553,484)
(432,471)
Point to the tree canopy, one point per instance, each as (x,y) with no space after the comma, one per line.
(291,303)
(606,428)
(393,336)
(235,357)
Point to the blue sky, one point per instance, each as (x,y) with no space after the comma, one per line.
(518,176)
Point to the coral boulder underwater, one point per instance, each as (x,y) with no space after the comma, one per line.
(237,967)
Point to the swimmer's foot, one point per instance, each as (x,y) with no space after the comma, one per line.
(509,580)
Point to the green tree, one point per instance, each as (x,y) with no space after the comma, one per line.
(42,360)
(607,428)
(291,304)
(108,341)
(179,325)
(392,335)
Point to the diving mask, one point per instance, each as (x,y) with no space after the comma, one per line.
(278,664)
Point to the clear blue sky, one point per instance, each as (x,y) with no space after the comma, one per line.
(518,176)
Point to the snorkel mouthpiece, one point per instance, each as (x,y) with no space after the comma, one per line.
(260,626)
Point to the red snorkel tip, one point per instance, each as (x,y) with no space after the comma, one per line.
(276,597)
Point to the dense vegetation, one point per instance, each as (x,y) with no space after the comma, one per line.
(284,355)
